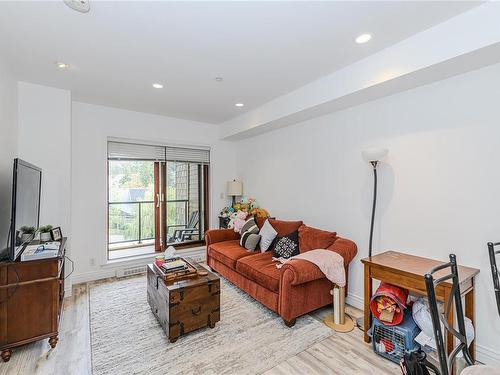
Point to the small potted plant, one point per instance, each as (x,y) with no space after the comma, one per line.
(45,233)
(27,233)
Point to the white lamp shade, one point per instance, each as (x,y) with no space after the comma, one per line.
(374,154)
(234,188)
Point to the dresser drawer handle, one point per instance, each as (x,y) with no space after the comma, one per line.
(197,312)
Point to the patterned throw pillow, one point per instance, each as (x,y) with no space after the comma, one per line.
(249,241)
(249,226)
(286,246)
(249,237)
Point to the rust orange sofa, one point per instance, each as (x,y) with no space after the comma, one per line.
(297,288)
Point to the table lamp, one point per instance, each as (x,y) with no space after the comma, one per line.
(234,189)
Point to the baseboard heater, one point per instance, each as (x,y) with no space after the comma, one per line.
(124,272)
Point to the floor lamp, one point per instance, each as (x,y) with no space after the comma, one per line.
(372,156)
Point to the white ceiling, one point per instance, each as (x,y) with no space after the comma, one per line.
(261,49)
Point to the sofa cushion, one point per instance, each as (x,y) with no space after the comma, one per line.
(312,238)
(228,252)
(285,227)
(261,220)
(261,269)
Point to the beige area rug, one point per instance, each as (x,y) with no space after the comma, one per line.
(249,339)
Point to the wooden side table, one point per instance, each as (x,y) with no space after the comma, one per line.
(407,271)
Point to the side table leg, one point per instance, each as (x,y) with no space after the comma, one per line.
(471,314)
(6,354)
(53,341)
(368,296)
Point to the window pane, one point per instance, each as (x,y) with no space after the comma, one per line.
(183,206)
(123,222)
(131,181)
(131,207)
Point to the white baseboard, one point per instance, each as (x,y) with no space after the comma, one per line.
(109,270)
(94,275)
(354,301)
(487,356)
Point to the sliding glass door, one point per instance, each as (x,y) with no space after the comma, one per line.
(155,199)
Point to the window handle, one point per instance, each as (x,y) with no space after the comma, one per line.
(157,200)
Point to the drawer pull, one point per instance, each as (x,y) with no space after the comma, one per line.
(197,312)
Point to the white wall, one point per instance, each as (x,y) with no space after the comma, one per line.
(8,146)
(438,189)
(44,140)
(92,126)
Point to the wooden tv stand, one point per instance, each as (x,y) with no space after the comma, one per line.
(31,297)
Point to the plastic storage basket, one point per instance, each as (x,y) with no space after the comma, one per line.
(391,342)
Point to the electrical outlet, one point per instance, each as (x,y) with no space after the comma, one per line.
(222,195)
(92,261)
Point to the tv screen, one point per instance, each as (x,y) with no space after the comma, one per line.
(26,189)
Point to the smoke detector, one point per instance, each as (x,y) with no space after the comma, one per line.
(82,6)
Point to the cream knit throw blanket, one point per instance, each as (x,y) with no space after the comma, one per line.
(329,262)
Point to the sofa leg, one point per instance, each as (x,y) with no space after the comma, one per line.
(289,323)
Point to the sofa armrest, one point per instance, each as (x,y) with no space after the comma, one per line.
(220,235)
(347,249)
(303,271)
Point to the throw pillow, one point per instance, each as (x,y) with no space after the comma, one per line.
(267,236)
(311,238)
(284,227)
(286,246)
(249,240)
(249,237)
(249,226)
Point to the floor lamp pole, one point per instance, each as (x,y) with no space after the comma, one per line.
(374,164)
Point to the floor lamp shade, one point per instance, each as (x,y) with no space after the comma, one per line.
(374,154)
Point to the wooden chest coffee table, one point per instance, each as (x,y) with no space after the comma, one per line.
(186,305)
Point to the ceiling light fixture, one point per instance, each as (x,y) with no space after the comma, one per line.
(363,38)
(61,65)
(157,85)
(82,6)
(239,105)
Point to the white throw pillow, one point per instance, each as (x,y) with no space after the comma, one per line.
(267,235)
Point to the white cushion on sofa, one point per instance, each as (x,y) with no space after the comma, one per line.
(267,235)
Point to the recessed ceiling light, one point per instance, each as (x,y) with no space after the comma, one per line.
(157,85)
(82,6)
(363,38)
(239,105)
(61,65)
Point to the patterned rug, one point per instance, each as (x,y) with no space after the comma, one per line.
(249,339)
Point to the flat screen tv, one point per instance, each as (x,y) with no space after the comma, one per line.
(26,190)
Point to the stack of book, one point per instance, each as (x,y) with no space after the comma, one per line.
(174,266)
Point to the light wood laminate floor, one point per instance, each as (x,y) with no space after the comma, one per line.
(338,354)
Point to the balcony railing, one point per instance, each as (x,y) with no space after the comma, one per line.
(134,222)
(131,222)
